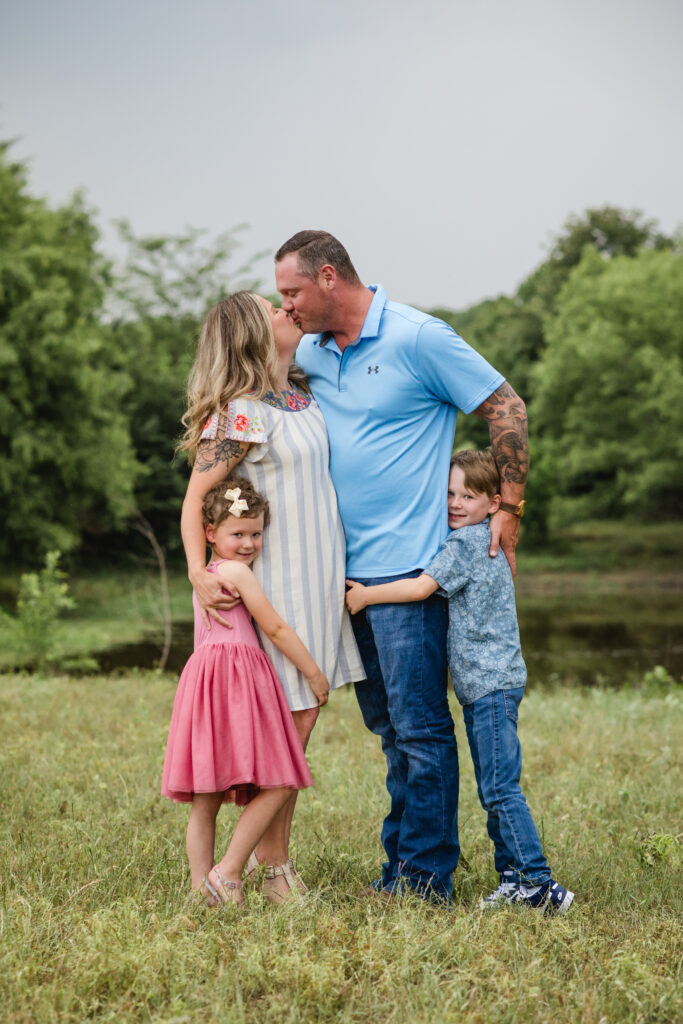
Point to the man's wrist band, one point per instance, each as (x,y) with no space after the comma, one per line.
(514,510)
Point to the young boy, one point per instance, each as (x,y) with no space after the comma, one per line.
(488,673)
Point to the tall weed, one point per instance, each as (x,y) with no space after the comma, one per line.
(35,630)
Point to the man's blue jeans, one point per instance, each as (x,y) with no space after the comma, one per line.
(491,724)
(404,701)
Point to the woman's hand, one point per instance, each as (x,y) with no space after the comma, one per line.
(356,600)
(320,686)
(214,596)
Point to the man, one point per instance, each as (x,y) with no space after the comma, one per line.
(390,381)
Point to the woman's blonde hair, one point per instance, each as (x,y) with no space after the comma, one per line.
(236,355)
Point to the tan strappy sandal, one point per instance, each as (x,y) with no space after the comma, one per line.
(221,894)
(295,884)
(252,866)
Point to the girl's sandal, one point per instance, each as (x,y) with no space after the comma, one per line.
(295,884)
(303,888)
(223,892)
(253,864)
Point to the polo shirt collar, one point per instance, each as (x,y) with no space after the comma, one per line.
(370,328)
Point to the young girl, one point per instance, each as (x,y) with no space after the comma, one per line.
(232,736)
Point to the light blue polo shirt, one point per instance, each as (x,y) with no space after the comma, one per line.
(390,402)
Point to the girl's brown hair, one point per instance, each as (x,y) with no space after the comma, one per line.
(480,471)
(216,507)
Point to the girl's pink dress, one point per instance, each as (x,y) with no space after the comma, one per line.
(231,729)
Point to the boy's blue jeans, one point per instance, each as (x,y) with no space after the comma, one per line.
(404,701)
(491,724)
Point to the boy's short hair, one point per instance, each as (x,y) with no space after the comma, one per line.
(216,507)
(480,471)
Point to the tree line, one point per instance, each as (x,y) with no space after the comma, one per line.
(94,358)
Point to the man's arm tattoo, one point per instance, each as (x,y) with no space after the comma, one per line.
(505,413)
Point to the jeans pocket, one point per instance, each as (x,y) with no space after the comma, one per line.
(511,699)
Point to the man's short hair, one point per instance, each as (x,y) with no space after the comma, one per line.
(316,248)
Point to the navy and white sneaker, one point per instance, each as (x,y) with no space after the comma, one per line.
(548,898)
(505,892)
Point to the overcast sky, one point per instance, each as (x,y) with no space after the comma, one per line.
(442,142)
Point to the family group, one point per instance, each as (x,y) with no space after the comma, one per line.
(326,485)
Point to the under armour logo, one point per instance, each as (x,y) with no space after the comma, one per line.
(373,369)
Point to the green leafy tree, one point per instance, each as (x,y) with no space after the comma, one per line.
(609,230)
(607,397)
(66,461)
(511,331)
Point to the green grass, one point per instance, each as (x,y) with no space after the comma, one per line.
(97,922)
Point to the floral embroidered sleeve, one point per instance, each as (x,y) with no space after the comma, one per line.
(241,421)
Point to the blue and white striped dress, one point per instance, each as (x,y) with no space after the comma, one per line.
(302,565)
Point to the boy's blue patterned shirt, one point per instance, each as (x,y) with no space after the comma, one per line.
(484,652)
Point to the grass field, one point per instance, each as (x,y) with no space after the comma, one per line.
(97,922)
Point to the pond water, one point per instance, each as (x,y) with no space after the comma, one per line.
(607,640)
(613,650)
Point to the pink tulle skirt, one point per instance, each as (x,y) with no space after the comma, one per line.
(231,729)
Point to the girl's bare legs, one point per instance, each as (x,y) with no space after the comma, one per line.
(274,845)
(201,835)
(256,817)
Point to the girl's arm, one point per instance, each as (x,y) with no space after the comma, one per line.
(214,462)
(398,592)
(276,629)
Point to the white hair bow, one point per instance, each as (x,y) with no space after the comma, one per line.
(239,505)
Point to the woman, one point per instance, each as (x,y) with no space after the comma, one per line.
(249,406)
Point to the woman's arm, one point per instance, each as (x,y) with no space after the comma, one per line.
(276,629)
(214,462)
(359,597)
